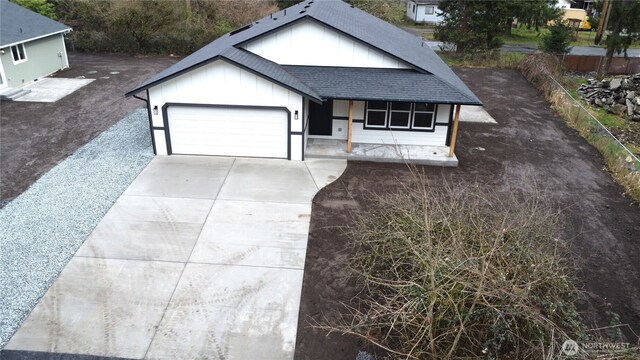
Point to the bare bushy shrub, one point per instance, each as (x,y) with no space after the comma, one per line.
(461,272)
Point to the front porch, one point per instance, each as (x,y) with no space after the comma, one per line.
(395,153)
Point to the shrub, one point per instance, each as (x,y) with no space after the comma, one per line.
(461,272)
(557,40)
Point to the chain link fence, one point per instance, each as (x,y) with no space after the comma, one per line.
(542,71)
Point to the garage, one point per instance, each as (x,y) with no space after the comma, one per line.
(227,130)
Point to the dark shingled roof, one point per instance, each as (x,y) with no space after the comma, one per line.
(343,18)
(18,24)
(377,84)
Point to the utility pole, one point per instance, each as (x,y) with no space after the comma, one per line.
(603,22)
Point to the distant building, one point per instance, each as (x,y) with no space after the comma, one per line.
(31,45)
(423,11)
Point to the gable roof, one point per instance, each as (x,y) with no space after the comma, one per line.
(339,16)
(18,25)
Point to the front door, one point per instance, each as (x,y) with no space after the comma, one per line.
(320,118)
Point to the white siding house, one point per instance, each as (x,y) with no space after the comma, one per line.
(423,11)
(309,71)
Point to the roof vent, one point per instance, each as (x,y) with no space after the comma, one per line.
(241,29)
(285,12)
(302,12)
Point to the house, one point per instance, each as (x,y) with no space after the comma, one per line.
(423,11)
(31,45)
(564,4)
(319,69)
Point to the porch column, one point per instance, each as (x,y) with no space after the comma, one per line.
(456,117)
(350,126)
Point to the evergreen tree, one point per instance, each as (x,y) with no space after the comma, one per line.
(557,40)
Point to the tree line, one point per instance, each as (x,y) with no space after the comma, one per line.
(182,26)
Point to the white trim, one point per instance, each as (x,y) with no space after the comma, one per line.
(433,118)
(4,78)
(37,37)
(385,111)
(64,52)
(408,112)
(24,53)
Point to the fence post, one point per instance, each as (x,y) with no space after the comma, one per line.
(599,63)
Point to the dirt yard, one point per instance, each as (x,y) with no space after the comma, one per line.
(530,147)
(37,136)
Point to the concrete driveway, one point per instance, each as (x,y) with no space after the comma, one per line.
(201,257)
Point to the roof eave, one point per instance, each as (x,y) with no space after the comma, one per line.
(67,30)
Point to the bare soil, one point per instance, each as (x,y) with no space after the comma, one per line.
(35,137)
(530,148)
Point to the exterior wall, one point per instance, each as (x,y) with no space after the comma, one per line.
(310,43)
(438,137)
(420,16)
(44,57)
(222,83)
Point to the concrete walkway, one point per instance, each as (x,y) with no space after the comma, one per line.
(201,257)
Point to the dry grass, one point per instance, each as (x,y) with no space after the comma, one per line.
(459,272)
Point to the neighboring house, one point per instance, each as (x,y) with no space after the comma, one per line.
(31,45)
(309,71)
(564,4)
(423,11)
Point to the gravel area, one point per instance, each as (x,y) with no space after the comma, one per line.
(42,228)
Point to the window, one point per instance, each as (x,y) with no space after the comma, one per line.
(423,115)
(400,116)
(19,55)
(429,10)
(414,8)
(376,114)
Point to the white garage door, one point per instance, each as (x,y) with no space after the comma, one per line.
(228,131)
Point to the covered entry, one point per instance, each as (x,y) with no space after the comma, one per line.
(227,130)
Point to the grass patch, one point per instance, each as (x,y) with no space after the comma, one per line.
(521,35)
(541,70)
(499,59)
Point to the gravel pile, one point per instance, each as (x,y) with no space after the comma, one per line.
(42,228)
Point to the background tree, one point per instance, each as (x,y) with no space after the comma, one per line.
(472,26)
(42,7)
(155,26)
(557,40)
(477,25)
(624,30)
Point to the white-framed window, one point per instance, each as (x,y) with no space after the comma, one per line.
(399,115)
(376,116)
(18,53)
(413,10)
(429,10)
(423,116)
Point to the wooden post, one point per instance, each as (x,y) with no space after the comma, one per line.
(454,134)
(350,126)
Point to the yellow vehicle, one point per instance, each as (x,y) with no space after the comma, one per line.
(577,18)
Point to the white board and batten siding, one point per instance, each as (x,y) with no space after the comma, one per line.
(221,83)
(312,44)
(438,137)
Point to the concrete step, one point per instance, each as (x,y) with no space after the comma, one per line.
(12,94)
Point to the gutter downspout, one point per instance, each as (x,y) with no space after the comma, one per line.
(153,140)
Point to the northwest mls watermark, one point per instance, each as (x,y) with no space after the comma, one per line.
(571,347)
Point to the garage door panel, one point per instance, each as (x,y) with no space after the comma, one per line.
(228,131)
